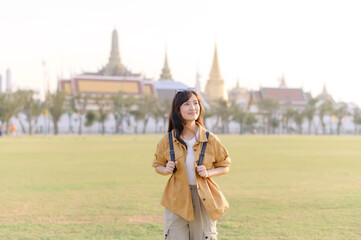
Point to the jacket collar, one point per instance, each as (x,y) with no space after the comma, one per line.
(202,134)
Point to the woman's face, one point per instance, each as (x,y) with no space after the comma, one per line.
(189,110)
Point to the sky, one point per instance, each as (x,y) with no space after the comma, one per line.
(311,42)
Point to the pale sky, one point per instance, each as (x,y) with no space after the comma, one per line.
(311,42)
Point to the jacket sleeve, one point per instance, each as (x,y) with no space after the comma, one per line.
(160,159)
(222,158)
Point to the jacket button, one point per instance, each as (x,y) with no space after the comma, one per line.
(204,199)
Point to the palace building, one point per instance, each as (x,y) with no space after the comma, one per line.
(295,98)
(111,79)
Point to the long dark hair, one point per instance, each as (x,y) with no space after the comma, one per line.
(176,121)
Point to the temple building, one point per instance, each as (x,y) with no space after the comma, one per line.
(239,95)
(111,79)
(294,98)
(166,87)
(215,88)
(325,96)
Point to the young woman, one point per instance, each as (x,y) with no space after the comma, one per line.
(192,200)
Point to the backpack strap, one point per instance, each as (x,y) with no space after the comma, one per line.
(172,157)
(201,156)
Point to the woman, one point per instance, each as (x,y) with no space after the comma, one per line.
(192,200)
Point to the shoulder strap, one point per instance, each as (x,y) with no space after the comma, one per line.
(201,156)
(172,157)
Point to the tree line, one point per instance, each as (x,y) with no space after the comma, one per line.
(128,110)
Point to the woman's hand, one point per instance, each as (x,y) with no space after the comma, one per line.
(202,171)
(169,167)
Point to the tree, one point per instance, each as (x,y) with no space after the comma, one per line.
(287,117)
(37,110)
(103,104)
(164,106)
(145,109)
(71,107)
(10,105)
(340,112)
(118,105)
(310,111)
(324,109)
(239,115)
(268,107)
(56,107)
(250,121)
(129,107)
(356,118)
(83,101)
(31,107)
(298,117)
(90,118)
(208,113)
(223,112)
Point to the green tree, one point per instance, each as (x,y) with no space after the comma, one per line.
(323,110)
(299,117)
(268,108)
(31,107)
(340,112)
(287,118)
(90,117)
(145,109)
(238,115)
(118,106)
(103,105)
(10,105)
(356,118)
(56,107)
(208,113)
(164,106)
(223,112)
(309,112)
(250,121)
(130,105)
(83,101)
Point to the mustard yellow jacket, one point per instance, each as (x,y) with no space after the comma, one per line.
(177,195)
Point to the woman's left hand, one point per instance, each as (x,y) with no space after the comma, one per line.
(202,171)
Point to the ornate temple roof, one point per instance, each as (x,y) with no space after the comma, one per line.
(165,75)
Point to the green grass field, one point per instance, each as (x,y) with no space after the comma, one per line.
(94,187)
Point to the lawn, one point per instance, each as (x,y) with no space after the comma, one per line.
(103,187)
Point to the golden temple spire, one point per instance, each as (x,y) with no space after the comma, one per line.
(215,74)
(215,88)
(282,81)
(324,90)
(166,75)
(114,59)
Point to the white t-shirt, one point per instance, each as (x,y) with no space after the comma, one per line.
(190,160)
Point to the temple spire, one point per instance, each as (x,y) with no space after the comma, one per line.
(215,74)
(215,88)
(324,90)
(114,59)
(166,75)
(282,81)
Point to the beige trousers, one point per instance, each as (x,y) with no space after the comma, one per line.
(203,227)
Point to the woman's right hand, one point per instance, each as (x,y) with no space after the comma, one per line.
(169,167)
